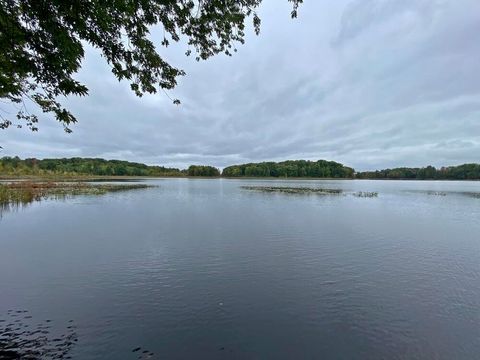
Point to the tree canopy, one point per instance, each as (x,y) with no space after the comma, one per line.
(291,168)
(202,170)
(43,42)
(14,166)
(459,172)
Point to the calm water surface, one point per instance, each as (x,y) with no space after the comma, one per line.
(205,269)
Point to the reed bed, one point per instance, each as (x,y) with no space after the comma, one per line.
(294,190)
(309,190)
(366,194)
(471,194)
(24,192)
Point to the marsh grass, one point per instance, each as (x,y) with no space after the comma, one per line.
(365,194)
(294,190)
(471,194)
(25,192)
(475,195)
(436,193)
(308,191)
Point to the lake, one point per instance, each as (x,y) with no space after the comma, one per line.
(204,269)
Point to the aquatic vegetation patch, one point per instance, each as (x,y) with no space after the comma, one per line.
(143,353)
(436,193)
(365,194)
(310,191)
(294,190)
(471,194)
(24,192)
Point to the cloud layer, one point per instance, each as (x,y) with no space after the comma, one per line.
(369,83)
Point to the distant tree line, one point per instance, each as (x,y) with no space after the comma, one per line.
(81,166)
(202,170)
(14,166)
(460,172)
(291,168)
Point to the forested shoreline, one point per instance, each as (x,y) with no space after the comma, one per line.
(460,172)
(291,168)
(16,167)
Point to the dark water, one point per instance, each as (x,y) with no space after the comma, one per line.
(203,269)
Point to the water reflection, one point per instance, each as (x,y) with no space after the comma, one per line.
(21,337)
(206,269)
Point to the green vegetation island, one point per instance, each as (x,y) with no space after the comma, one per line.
(14,167)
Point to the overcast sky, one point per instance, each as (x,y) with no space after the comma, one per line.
(368,83)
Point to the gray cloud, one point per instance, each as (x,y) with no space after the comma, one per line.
(370,83)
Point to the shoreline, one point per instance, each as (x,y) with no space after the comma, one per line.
(93,178)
